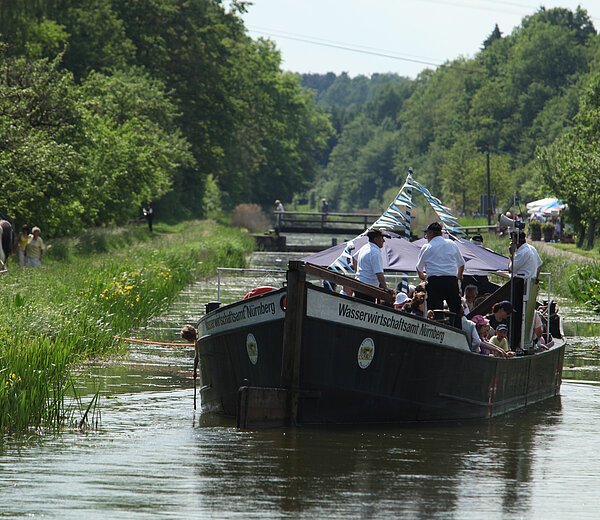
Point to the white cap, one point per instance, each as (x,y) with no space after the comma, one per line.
(401,298)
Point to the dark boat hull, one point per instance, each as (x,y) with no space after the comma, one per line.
(361,363)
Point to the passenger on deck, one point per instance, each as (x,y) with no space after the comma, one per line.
(441,264)
(347,291)
(470,328)
(401,299)
(500,313)
(419,288)
(482,325)
(417,305)
(477,239)
(370,263)
(527,262)
(471,293)
(538,329)
(500,339)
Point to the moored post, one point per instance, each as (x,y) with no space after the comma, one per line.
(292,337)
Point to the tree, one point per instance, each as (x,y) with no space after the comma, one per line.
(571,165)
(133,149)
(39,118)
(495,35)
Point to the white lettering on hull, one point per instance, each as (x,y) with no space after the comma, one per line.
(331,308)
(240,315)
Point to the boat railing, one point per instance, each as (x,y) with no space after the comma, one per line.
(340,279)
(546,324)
(245,270)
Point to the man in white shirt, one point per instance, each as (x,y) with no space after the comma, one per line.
(527,262)
(442,265)
(370,263)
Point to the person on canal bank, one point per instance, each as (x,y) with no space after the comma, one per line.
(279,209)
(369,263)
(441,265)
(35,248)
(149,214)
(22,241)
(324,210)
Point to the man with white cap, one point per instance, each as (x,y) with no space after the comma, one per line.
(370,263)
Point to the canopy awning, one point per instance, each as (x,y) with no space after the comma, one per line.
(400,255)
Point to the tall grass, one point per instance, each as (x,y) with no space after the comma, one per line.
(90,289)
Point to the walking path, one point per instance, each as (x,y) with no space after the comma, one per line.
(549,249)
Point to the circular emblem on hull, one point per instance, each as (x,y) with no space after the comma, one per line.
(252,348)
(366,352)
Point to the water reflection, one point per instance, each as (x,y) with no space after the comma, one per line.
(425,471)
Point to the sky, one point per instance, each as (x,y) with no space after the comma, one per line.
(398,36)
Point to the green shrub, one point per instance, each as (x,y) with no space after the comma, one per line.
(585,285)
(548,231)
(535,230)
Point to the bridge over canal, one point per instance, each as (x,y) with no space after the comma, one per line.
(317,222)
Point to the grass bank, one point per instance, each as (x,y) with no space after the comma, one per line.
(91,288)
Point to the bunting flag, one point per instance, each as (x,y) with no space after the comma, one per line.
(448,220)
(398,213)
(344,263)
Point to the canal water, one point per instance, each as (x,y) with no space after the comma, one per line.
(152,456)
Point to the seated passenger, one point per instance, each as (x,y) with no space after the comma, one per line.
(500,313)
(417,305)
(482,326)
(330,286)
(347,291)
(500,339)
(538,330)
(420,288)
(469,298)
(470,328)
(401,299)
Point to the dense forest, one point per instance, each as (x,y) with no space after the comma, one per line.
(106,104)
(531,100)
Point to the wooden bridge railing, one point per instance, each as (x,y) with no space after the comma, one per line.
(315,222)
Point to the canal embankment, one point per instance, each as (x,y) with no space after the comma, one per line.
(89,291)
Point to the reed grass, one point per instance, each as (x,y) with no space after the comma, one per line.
(90,289)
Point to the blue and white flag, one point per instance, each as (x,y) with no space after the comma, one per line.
(344,263)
